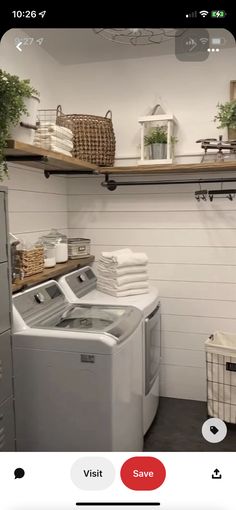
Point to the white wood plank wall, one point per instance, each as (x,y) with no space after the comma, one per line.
(36,204)
(192,252)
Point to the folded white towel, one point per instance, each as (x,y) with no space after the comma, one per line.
(122,293)
(53,148)
(54,128)
(121,258)
(50,139)
(44,132)
(125,286)
(122,280)
(114,272)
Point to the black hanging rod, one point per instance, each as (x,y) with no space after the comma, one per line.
(118,504)
(111,184)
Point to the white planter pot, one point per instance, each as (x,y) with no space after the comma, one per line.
(25,130)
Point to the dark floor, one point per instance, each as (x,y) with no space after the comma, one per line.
(177,427)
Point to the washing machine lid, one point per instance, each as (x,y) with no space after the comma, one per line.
(46,307)
(120,322)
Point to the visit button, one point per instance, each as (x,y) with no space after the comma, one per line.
(143,473)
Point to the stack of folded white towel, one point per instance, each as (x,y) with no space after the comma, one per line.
(54,138)
(122,273)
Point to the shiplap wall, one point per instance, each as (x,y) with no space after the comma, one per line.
(132,87)
(36,204)
(192,252)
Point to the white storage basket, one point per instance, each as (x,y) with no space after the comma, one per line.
(221,376)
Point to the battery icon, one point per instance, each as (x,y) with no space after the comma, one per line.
(217,41)
(218,14)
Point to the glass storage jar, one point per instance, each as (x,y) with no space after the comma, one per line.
(49,254)
(61,244)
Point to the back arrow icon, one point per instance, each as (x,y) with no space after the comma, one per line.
(18,46)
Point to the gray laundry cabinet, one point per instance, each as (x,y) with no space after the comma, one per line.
(7,427)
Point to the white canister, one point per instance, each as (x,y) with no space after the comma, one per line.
(25,130)
(49,255)
(61,252)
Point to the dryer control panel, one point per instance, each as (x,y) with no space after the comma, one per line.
(81,281)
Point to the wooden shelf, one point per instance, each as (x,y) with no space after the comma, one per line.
(52,272)
(49,161)
(30,155)
(173,169)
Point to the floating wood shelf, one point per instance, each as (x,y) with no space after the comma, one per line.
(173,169)
(52,272)
(49,161)
(55,163)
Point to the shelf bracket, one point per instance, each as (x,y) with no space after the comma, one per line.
(47,171)
(65,172)
(16,158)
(109,183)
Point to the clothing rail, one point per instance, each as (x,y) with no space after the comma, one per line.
(112,184)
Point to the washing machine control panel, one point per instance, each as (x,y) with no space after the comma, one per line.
(45,297)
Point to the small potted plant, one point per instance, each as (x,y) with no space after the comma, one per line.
(13,95)
(156,141)
(227,117)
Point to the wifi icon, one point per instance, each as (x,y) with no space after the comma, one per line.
(204,40)
(204,13)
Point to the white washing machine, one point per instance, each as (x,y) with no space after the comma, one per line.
(80,286)
(77,373)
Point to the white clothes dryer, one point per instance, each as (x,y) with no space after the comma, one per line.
(80,287)
(77,373)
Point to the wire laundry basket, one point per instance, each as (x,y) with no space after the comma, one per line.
(221,376)
(51,136)
(50,116)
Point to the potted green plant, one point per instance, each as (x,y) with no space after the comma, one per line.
(226,117)
(13,95)
(156,141)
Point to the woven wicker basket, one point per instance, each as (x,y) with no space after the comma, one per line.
(94,138)
(29,262)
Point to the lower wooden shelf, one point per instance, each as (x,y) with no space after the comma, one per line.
(52,272)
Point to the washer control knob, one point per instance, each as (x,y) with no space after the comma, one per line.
(39,297)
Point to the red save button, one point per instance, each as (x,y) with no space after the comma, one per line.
(143,473)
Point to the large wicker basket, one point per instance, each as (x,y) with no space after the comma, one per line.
(29,262)
(94,138)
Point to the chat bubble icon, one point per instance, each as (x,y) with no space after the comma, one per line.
(19,473)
